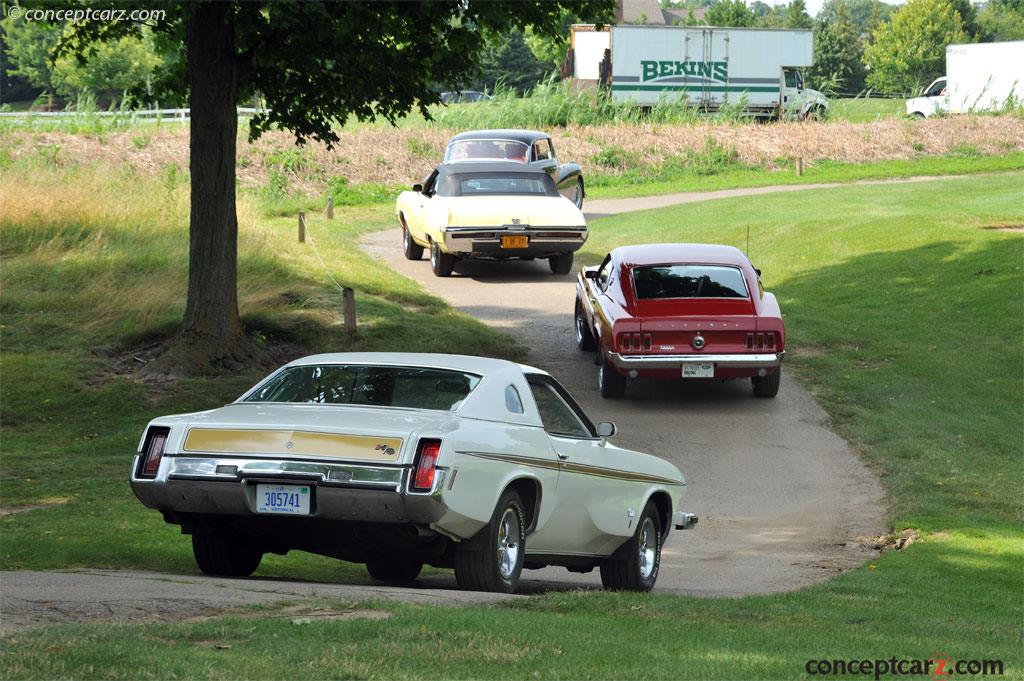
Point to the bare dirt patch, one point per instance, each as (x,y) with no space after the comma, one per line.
(1001,227)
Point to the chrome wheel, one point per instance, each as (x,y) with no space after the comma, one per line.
(508,543)
(579,327)
(577,197)
(647,548)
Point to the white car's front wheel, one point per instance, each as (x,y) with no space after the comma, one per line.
(634,567)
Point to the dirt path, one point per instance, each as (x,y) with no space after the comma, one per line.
(599,208)
(783,501)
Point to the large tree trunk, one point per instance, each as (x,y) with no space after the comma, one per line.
(211,337)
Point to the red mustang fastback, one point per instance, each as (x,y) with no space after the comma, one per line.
(679,311)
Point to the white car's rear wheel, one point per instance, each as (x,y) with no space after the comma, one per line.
(394,570)
(492,560)
(225,554)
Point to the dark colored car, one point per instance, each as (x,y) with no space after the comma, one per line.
(523,146)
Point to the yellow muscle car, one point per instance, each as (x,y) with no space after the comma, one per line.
(496,210)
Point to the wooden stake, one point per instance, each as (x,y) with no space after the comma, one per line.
(348,297)
(330,207)
(800,165)
(302,227)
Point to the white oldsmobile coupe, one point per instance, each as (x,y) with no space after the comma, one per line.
(398,460)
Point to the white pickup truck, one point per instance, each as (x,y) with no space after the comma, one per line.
(979,77)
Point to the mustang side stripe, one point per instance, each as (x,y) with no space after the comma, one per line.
(292,442)
(582,469)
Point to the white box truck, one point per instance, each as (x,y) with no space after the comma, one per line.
(979,77)
(707,67)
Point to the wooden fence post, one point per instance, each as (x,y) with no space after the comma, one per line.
(348,297)
(800,165)
(330,207)
(302,227)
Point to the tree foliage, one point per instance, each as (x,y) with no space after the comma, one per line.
(866,15)
(730,13)
(910,51)
(28,45)
(838,54)
(509,61)
(1001,20)
(317,64)
(796,15)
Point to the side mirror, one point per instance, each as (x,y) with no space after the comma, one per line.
(758,272)
(606,429)
(590,274)
(417,187)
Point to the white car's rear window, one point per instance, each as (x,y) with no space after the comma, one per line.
(381,386)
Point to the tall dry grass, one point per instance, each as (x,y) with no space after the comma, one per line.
(400,156)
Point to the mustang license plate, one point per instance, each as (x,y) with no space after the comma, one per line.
(699,370)
(515,241)
(287,499)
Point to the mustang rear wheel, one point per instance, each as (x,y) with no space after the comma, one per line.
(492,559)
(224,554)
(767,386)
(441,263)
(609,381)
(634,567)
(584,336)
(561,263)
(412,250)
(394,570)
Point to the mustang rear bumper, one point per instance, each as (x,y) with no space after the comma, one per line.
(485,242)
(340,491)
(769,360)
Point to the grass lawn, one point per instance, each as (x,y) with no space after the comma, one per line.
(904,306)
(862,109)
(690,178)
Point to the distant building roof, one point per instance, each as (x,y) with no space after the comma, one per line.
(650,12)
(638,12)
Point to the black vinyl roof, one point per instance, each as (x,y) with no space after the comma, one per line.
(488,166)
(524,136)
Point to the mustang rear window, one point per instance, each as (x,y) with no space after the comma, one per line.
(477,184)
(689,281)
(381,386)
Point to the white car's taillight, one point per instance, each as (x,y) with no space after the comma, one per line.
(426,459)
(153,451)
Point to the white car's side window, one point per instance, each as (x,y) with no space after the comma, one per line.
(558,418)
(512,400)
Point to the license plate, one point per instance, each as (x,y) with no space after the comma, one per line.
(515,241)
(287,499)
(699,370)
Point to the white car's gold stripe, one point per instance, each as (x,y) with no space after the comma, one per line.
(292,442)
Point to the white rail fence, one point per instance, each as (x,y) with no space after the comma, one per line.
(141,115)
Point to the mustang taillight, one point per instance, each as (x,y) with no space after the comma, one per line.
(153,451)
(426,460)
(761,341)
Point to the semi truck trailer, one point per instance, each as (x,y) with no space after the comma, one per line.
(702,66)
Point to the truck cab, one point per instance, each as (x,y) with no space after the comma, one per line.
(933,100)
(799,101)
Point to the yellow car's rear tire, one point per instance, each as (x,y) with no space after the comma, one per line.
(441,263)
